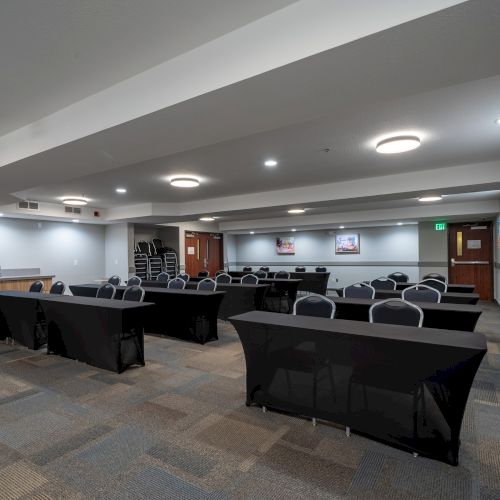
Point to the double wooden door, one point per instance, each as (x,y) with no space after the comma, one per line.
(203,252)
(471,256)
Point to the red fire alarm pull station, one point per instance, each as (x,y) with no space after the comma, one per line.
(96,213)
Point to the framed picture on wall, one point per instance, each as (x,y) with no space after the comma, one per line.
(285,246)
(346,243)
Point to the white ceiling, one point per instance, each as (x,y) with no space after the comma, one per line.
(56,52)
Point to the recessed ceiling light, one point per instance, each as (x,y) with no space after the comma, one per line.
(497,121)
(270,163)
(79,202)
(252,232)
(296,211)
(430,198)
(398,144)
(1,215)
(341,227)
(185,182)
(76,221)
(207,219)
(293,230)
(121,190)
(400,223)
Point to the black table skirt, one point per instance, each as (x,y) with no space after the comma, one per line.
(460,317)
(405,386)
(446,298)
(186,314)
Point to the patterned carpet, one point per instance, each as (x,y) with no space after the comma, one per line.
(179,428)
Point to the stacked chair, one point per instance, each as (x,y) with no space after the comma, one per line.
(153,258)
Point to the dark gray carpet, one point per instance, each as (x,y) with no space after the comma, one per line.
(178,428)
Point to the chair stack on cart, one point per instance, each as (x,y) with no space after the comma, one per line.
(153,258)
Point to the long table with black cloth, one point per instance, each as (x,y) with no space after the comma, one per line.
(461,317)
(104,333)
(405,386)
(446,297)
(311,282)
(186,314)
(452,287)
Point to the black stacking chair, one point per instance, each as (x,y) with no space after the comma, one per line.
(177,283)
(383,283)
(163,277)
(220,271)
(396,312)
(207,284)
(203,274)
(265,269)
(184,276)
(439,285)
(223,278)
(320,269)
(435,276)
(421,293)
(134,293)
(282,275)
(115,280)
(314,305)
(58,288)
(262,275)
(106,291)
(250,279)
(36,287)
(359,291)
(144,247)
(399,277)
(247,269)
(134,281)
(300,269)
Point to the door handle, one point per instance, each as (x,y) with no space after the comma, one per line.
(474,262)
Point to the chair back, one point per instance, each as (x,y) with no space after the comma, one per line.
(359,291)
(220,271)
(421,293)
(321,269)
(157,244)
(223,278)
(264,268)
(438,285)
(203,274)
(247,269)
(383,283)
(314,305)
(177,283)
(262,275)
(134,281)
(163,277)
(143,247)
(134,293)
(399,277)
(300,269)
(184,276)
(36,286)
(435,276)
(207,284)
(115,280)
(396,312)
(58,288)
(250,279)
(282,275)
(106,291)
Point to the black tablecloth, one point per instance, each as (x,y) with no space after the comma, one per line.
(443,316)
(405,386)
(187,314)
(446,298)
(452,287)
(311,282)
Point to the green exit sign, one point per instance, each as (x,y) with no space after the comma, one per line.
(440,226)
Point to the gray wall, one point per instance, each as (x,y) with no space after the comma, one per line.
(119,242)
(432,249)
(496,246)
(73,252)
(383,250)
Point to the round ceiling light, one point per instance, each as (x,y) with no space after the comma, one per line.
(398,144)
(341,227)
(76,221)
(270,163)
(184,182)
(78,202)
(252,232)
(497,121)
(430,198)
(296,211)
(207,219)
(121,190)
(293,230)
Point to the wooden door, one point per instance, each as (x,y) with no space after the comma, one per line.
(203,252)
(470,256)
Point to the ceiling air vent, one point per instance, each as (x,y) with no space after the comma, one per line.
(72,210)
(28,205)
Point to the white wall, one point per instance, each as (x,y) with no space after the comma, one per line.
(496,246)
(433,249)
(382,250)
(73,252)
(118,239)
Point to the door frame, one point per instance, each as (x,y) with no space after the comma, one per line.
(210,233)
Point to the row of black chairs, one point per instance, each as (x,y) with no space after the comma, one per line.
(299,269)
(403,278)
(57,288)
(390,311)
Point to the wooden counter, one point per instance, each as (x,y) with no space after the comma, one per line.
(23,283)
